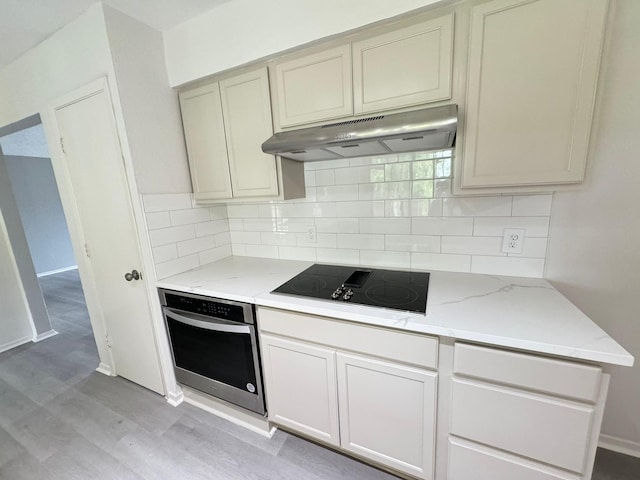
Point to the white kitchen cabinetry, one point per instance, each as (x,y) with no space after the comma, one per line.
(384,407)
(531,84)
(301,381)
(314,88)
(405,67)
(387,413)
(225,123)
(522,415)
(402,68)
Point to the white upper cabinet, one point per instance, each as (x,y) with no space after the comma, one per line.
(314,88)
(225,123)
(531,84)
(246,108)
(405,67)
(206,144)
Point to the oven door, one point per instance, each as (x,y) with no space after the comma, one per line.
(216,356)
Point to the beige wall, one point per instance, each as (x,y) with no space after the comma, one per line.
(594,244)
(245,30)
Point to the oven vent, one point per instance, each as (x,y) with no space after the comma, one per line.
(352,122)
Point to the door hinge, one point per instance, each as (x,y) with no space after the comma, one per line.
(106,339)
(62,145)
(86,250)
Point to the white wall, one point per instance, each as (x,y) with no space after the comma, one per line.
(594,249)
(241,31)
(149,106)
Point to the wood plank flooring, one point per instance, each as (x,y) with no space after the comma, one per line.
(59,419)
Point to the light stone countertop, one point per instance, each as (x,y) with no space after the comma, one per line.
(520,313)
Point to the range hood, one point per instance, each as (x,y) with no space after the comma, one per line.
(427,129)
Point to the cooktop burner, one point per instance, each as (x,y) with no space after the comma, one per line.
(365,286)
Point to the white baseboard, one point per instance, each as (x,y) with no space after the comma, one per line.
(620,445)
(105,369)
(44,336)
(15,343)
(175,399)
(59,270)
(237,415)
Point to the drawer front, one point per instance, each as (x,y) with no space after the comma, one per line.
(541,374)
(411,348)
(474,462)
(552,431)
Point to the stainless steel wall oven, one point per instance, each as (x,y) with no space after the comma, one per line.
(214,345)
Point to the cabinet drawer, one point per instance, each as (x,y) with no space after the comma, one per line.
(542,374)
(411,348)
(474,462)
(551,431)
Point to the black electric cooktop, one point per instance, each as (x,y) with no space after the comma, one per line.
(364,286)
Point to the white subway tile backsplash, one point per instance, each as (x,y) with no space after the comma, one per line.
(517,266)
(158,220)
(164,236)
(239,210)
(337,225)
(360,241)
(494,226)
(390,211)
(211,228)
(278,238)
(385,225)
(245,237)
(298,253)
(190,216)
(442,225)
(215,254)
(338,255)
(179,265)
(385,259)
(532,205)
(336,193)
(165,253)
(195,245)
(441,261)
(360,209)
(472,245)
(412,243)
(476,206)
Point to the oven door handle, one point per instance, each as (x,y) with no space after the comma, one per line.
(207,325)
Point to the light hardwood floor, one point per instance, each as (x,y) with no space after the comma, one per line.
(59,419)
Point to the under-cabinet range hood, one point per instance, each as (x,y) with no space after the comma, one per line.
(426,129)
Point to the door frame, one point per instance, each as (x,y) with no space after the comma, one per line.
(107,365)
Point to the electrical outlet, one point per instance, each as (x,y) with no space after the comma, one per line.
(311,234)
(513,240)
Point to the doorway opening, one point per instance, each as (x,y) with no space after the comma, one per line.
(27,164)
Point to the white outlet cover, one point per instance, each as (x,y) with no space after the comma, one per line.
(513,240)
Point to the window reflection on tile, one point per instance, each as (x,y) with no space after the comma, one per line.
(443,168)
(422,189)
(422,170)
(397,171)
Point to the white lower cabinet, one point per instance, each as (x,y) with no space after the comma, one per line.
(301,384)
(379,409)
(387,413)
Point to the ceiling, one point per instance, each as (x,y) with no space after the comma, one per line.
(26,23)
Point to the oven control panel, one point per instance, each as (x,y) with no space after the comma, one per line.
(210,308)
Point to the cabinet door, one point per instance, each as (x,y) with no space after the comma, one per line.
(301,387)
(206,143)
(533,70)
(315,88)
(387,413)
(406,67)
(246,109)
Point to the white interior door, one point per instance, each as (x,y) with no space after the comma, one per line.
(97,187)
